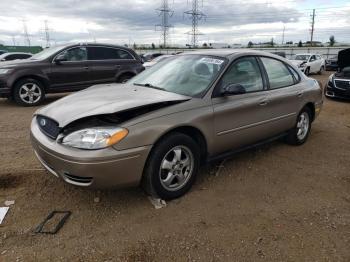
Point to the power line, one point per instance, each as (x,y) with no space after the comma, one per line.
(165,13)
(195,15)
(25,32)
(312,26)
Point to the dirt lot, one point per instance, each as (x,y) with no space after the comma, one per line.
(276,203)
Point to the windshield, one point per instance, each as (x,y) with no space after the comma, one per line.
(46,53)
(188,75)
(302,57)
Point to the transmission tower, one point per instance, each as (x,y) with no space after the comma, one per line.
(25,32)
(196,15)
(312,26)
(47,33)
(165,13)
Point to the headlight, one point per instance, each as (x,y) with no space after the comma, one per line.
(5,71)
(95,138)
(302,65)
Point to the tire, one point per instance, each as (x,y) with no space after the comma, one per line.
(172,167)
(321,70)
(307,71)
(28,92)
(124,78)
(299,134)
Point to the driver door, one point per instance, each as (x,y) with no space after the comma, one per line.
(239,119)
(73,72)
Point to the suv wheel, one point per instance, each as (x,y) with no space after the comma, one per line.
(172,167)
(28,92)
(307,71)
(299,134)
(124,78)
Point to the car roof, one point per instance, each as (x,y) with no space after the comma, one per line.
(228,52)
(91,44)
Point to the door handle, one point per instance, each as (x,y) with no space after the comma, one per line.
(86,67)
(263,102)
(300,94)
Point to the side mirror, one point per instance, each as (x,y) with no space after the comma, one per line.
(232,89)
(60,58)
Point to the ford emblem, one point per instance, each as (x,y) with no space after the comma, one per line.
(42,122)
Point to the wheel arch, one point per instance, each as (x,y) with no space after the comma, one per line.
(36,77)
(311,106)
(127,73)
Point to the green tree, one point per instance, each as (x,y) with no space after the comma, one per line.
(300,44)
(250,44)
(135,46)
(331,40)
(153,46)
(272,43)
(205,45)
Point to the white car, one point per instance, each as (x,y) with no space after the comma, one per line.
(309,63)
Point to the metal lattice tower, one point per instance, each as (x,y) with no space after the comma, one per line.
(25,32)
(165,13)
(195,15)
(47,34)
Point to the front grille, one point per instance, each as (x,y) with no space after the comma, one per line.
(48,126)
(342,84)
(78,179)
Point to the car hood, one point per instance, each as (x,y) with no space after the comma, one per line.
(344,58)
(105,99)
(297,62)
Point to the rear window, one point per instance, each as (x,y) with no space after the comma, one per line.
(106,53)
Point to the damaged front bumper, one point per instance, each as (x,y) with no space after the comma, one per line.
(104,168)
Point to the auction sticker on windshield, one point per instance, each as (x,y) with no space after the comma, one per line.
(212,61)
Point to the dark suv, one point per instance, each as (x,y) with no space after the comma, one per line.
(66,68)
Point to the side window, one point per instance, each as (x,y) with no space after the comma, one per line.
(75,54)
(23,56)
(246,72)
(10,57)
(313,58)
(124,54)
(295,74)
(277,72)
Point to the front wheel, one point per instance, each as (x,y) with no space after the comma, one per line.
(307,71)
(172,167)
(28,92)
(299,134)
(321,70)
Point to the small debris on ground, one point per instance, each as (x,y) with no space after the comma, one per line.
(157,202)
(220,167)
(3,212)
(9,202)
(97,200)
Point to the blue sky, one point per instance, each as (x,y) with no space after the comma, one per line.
(124,22)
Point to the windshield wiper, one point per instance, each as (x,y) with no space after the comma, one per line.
(150,85)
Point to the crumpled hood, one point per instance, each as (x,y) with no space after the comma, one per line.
(105,99)
(297,62)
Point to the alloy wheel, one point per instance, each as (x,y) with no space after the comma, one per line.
(303,125)
(30,93)
(176,168)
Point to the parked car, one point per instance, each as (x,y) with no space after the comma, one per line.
(282,54)
(158,128)
(150,56)
(3,52)
(309,63)
(66,68)
(14,56)
(338,85)
(156,60)
(332,63)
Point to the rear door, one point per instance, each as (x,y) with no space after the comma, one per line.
(285,94)
(72,73)
(240,119)
(107,63)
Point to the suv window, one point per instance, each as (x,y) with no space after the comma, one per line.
(277,72)
(313,58)
(75,54)
(295,74)
(105,53)
(246,72)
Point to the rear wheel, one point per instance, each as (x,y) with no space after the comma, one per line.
(124,78)
(172,167)
(28,92)
(299,134)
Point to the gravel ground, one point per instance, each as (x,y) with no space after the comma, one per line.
(275,203)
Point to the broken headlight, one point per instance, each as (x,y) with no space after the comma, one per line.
(95,138)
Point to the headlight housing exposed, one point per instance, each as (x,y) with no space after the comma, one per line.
(5,71)
(95,138)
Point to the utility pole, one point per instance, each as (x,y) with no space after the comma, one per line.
(312,26)
(165,13)
(284,28)
(14,40)
(25,32)
(195,15)
(47,34)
